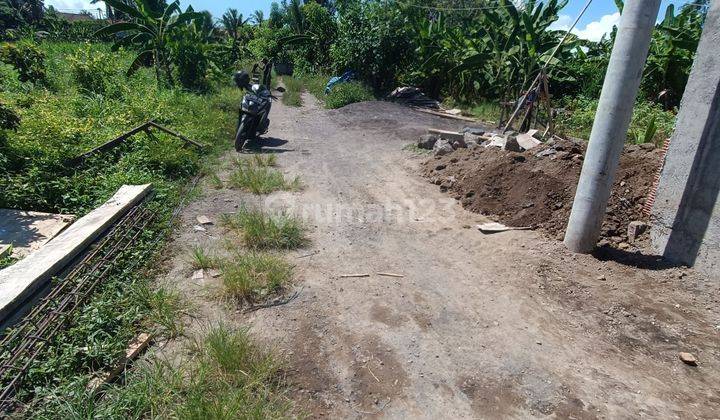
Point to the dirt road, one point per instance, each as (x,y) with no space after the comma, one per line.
(508,325)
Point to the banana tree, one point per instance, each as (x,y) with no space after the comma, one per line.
(150,30)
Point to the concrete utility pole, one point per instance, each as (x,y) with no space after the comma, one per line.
(686,214)
(612,120)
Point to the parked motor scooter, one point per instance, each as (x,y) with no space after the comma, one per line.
(253,119)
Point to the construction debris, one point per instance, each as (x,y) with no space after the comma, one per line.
(28,231)
(347,276)
(635,229)
(25,277)
(443,147)
(447,135)
(413,96)
(204,220)
(198,275)
(27,339)
(389,275)
(492,227)
(145,127)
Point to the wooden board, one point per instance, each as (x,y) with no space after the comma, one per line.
(24,278)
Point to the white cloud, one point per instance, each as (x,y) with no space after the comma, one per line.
(593,30)
(74,5)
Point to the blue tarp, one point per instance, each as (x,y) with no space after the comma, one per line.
(346,77)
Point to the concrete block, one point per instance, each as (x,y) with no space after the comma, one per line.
(447,135)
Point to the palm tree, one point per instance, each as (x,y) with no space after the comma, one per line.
(233,23)
(258,17)
(150,29)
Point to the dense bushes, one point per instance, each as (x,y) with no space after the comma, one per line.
(372,41)
(26,58)
(650,123)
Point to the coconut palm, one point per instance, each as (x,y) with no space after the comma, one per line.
(258,17)
(150,29)
(233,23)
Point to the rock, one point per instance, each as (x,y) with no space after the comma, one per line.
(213,273)
(477,131)
(198,228)
(512,145)
(688,358)
(601,278)
(527,141)
(203,220)
(427,141)
(647,146)
(471,144)
(442,147)
(635,229)
(198,275)
(468,137)
(546,152)
(624,245)
(459,145)
(496,141)
(440,167)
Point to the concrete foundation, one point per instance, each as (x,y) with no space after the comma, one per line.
(686,214)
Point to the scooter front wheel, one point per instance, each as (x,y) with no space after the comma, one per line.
(243,134)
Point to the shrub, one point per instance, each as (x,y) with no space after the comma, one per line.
(27,59)
(192,62)
(93,71)
(347,93)
(9,119)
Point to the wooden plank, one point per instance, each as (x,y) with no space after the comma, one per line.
(24,278)
(447,135)
(444,115)
(112,143)
(137,346)
(178,135)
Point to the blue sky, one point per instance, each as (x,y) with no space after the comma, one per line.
(599,19)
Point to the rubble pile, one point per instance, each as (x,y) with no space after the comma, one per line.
(520,181)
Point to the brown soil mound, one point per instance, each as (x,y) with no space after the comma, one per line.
(529,189)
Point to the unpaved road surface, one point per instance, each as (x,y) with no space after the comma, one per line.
(508,325)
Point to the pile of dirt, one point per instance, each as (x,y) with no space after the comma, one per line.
(536,188)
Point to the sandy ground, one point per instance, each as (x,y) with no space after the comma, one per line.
(508,325)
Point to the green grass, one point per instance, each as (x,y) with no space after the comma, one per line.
(413,147)
(315,84)
(7,260)
(201,260)
(252,277)
(486,111)
(261,231)
(225,376)
(215,181)
(293,91)
(255,175)
(348,93)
